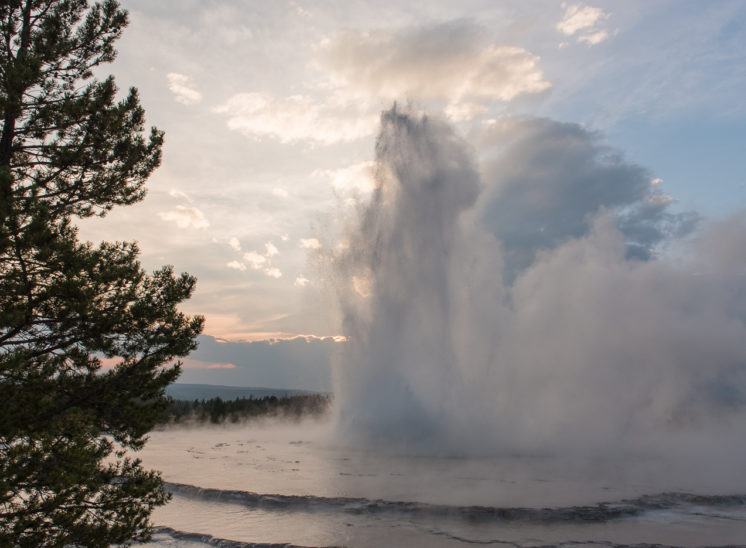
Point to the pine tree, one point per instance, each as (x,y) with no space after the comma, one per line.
(70,148)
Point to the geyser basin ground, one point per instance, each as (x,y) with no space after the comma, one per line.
(331,495)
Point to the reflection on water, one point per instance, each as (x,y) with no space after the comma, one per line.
(328,495)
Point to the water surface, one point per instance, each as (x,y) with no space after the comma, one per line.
(292,484)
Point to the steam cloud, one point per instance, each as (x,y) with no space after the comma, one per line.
(547,181)
(472,329)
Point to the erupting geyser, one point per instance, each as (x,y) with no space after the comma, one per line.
(587,347)
(412,275)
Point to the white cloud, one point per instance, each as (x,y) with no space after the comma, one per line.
(310,243)
(656,181)
(273,272)
(451,62)
(179,194)
(584,21)
(578,17)
(235,265)
(255,260)
(292,119)
(280,192)
(356,178)
(235,244)
(185,217)
(301,281)
(464,111)
(184,92)
(271,249)
(594,38)
(661,199)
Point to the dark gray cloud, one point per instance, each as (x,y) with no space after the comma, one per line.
(546,180)
(301,363)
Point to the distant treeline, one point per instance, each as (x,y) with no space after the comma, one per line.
(217,410)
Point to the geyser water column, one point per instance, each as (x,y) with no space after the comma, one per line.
(404,284)
(586,349)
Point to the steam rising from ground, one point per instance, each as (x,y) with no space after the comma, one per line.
(580,346)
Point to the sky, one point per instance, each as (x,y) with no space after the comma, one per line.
(271,111)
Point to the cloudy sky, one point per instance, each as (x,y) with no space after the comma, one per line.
(271,110)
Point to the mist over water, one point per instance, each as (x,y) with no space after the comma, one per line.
(456,347)
(594,385)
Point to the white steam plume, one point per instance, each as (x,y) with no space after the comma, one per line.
(586,349)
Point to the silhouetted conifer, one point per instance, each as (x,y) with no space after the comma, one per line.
(69,149)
